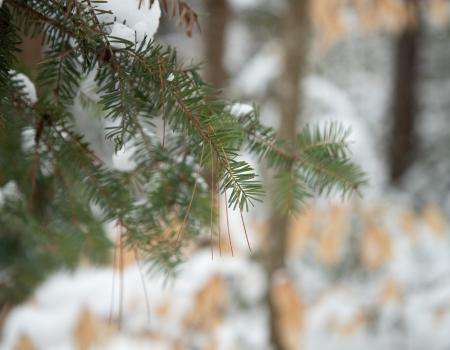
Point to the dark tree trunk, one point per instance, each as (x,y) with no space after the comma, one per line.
(31,54)
(214,37)
(295,42)
(403,138)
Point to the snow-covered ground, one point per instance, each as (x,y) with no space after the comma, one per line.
(382,283)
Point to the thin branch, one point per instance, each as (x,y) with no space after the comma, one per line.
(121,274)
(113,287)
(228,223)
(245,231)
(147,303)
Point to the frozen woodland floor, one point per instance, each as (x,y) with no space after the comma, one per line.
(359,277)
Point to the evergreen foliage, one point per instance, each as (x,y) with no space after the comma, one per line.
(164,202)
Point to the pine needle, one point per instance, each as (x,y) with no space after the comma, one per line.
(113,287)
(228,223)
(121,284)
(147,303)
(245,231)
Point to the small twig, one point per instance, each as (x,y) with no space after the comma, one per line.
(147,303)
(228,223)
(163,102)
(121,283)
(187,16)
(245,231)
(113,287)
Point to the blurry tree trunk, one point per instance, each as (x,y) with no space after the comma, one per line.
(29,57)
(403,138)
(214,37)
(295,44)
(30,54)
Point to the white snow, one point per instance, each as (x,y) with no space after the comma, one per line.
(9,191)
(123,32)
(28,86)
(244,4)
(259,72)
(128,21)
(238,46)
(90,121)
(28,134)
(274,7)
(122,160)
(240,109)
(89,118)
(50,318)
(171,77)
(420,266)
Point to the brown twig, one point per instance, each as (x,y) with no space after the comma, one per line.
(228,223)
(187,15)
(245,231)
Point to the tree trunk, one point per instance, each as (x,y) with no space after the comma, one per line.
(403,138)
(295,44)
(214,37)
(30,55)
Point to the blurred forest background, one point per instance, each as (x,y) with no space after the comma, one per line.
(370,273)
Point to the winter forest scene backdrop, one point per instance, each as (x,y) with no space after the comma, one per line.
(225,174)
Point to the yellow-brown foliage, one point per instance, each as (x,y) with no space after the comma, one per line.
(327,18)
(290,312)
(209,305)
(332,235)
(408,223)
(440,313)
(376,246)
(347,329)
(24,343)
(91,330)
(435,219)
(391,291)
(301,229)
(391,16)
(439,12)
